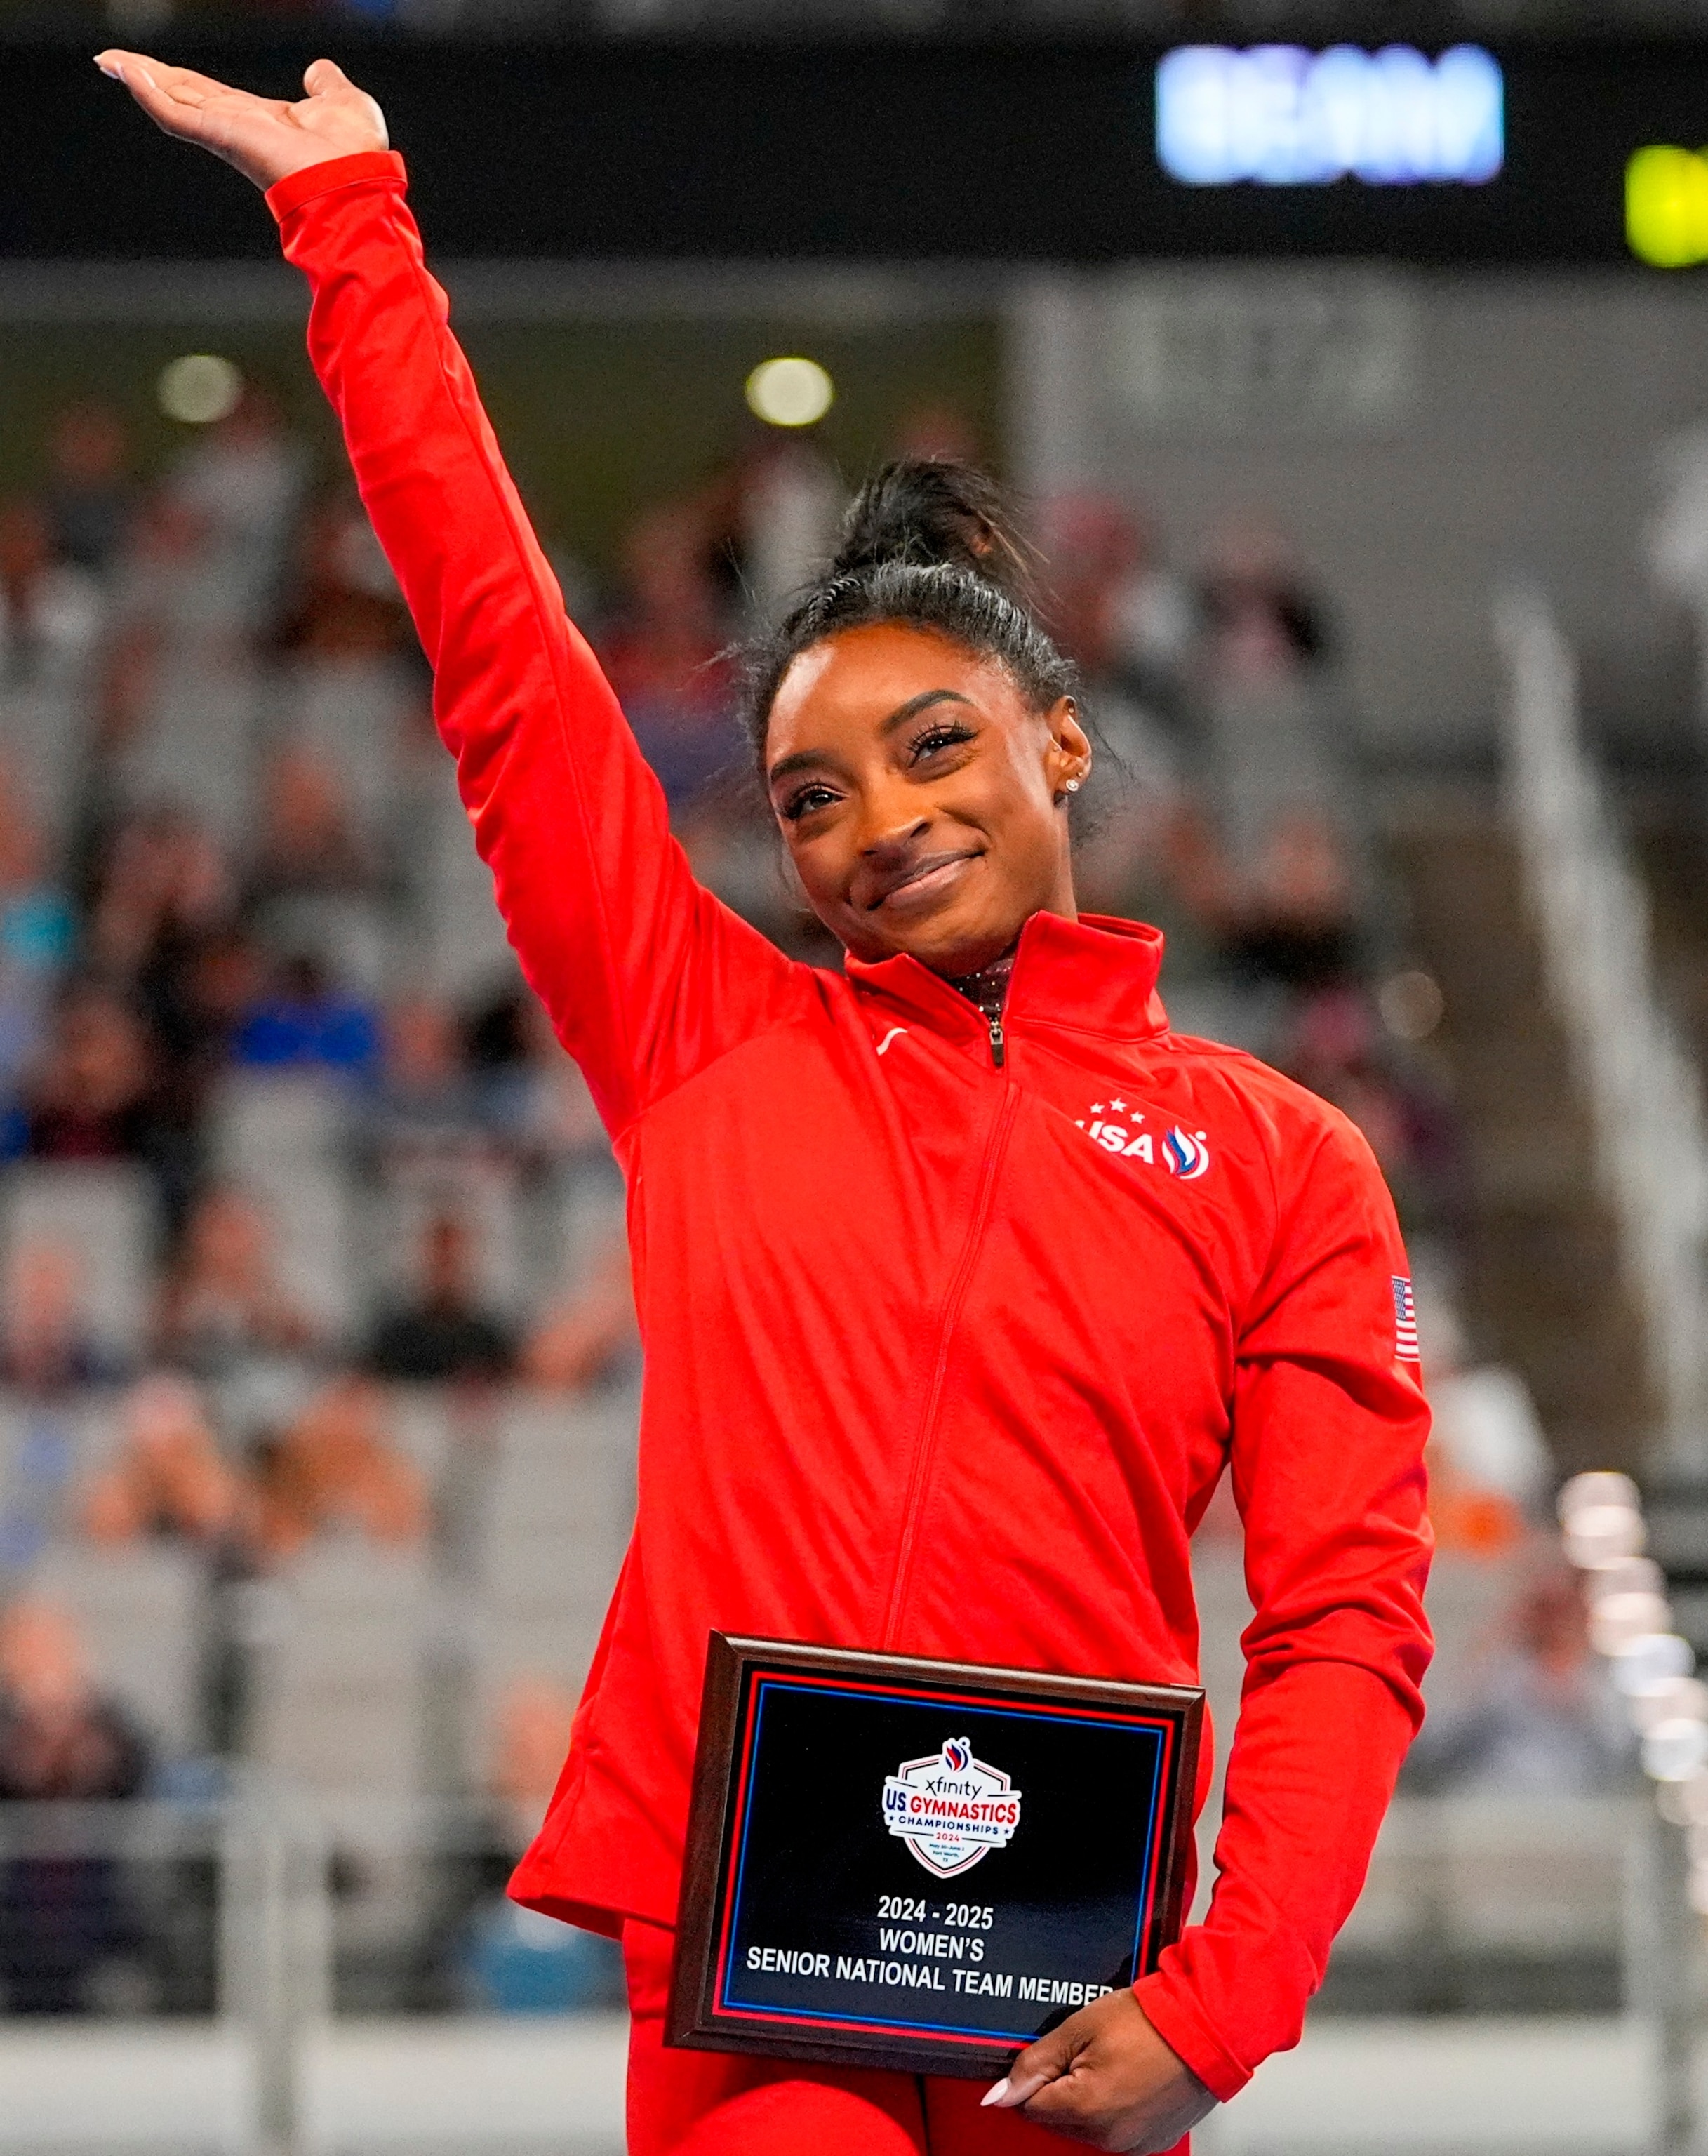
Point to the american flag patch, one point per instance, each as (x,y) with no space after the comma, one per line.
(1405,1320)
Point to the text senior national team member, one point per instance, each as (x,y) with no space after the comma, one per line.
(962,1279)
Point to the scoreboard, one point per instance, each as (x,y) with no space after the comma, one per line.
(931,148)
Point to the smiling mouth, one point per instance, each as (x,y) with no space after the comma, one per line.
(923,880)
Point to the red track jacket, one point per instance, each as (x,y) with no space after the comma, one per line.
(941,1358)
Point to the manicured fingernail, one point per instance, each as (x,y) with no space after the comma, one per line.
(995,2093)
(109,69)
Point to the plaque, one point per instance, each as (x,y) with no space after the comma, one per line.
(922,1865)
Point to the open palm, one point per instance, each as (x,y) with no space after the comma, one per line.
(266,138)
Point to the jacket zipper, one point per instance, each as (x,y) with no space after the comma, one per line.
(998,1040)
(926,1444)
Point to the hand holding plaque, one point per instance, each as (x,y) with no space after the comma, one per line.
(925,1866)
(1104,2077)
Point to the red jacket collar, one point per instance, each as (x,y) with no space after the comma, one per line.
(1094,975)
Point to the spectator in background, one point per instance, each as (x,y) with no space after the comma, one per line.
(513,1961)
(179,705)
(37,936)
(168,1479)
(530,1089)
(498,1055)
(1272,864)
(1543,1722)
(1490,1468)
(531,1725)
(1333,1042)
(347,605)
(665,654)
(51,613)
(304,1022)
(164,897)
(89,497)
(162,890)
(940,432)
(593,1330)
(60,1742)
(244,481)
(336,1471)
(87,1097)
(46,1346)
(1126,620)
(425,1114)
(444,1331)
(313,884)
(222,1306)
(1125,624)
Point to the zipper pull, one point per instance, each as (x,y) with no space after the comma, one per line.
(998,1043)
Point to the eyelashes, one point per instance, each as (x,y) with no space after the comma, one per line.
(936,737)
(815,795)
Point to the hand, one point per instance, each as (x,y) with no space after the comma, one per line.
(264,137)
(1106,2077)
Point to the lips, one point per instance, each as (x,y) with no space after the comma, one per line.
(918,876)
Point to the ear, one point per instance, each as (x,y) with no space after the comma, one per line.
(1067,759)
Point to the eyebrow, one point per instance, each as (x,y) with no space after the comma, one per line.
(805,759)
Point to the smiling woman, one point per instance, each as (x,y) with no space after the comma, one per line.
(918,732)
(933,1367)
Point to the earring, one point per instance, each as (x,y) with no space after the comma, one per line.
(1070,786)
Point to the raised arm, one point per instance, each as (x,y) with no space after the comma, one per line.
(646,976)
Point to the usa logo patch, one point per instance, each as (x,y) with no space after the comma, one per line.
(1405,1320)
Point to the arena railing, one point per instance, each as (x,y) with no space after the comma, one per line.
(1591,918)
(256,1893)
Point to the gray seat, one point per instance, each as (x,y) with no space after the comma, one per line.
(102,1211)
(143,1615)
(338,1698)
(556,1523)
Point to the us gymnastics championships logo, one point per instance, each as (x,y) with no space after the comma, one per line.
(951,1808)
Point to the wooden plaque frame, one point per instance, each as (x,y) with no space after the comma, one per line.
(695,2018)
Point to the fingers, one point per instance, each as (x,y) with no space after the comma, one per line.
(322,77)
(145,81)
(333,97)
(1037,2066)
(176,99)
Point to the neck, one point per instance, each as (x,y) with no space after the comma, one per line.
(988,985)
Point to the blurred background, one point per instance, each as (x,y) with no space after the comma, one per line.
(1350,373)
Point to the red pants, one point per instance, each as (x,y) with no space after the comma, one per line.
(709,2103)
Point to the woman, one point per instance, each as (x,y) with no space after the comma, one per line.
(960,1279)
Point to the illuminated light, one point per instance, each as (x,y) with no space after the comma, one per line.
(1676,1699)
(1283,116)
(199,389)
(1666,207)
(1618,1618)
(1411,1005)
(1598,1486)
(790,393)
(1674,1751)
(1644,1664)
(1595,1535)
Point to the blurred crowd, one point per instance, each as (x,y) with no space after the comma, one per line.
(289,1150)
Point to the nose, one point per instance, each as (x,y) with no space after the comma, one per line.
(892,820)
(882,842)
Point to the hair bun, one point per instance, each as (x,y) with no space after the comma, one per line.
(928,512)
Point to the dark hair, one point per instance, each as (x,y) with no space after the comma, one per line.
(927,543)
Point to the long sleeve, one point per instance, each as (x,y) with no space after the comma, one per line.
(1328,1433)
(647,977)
